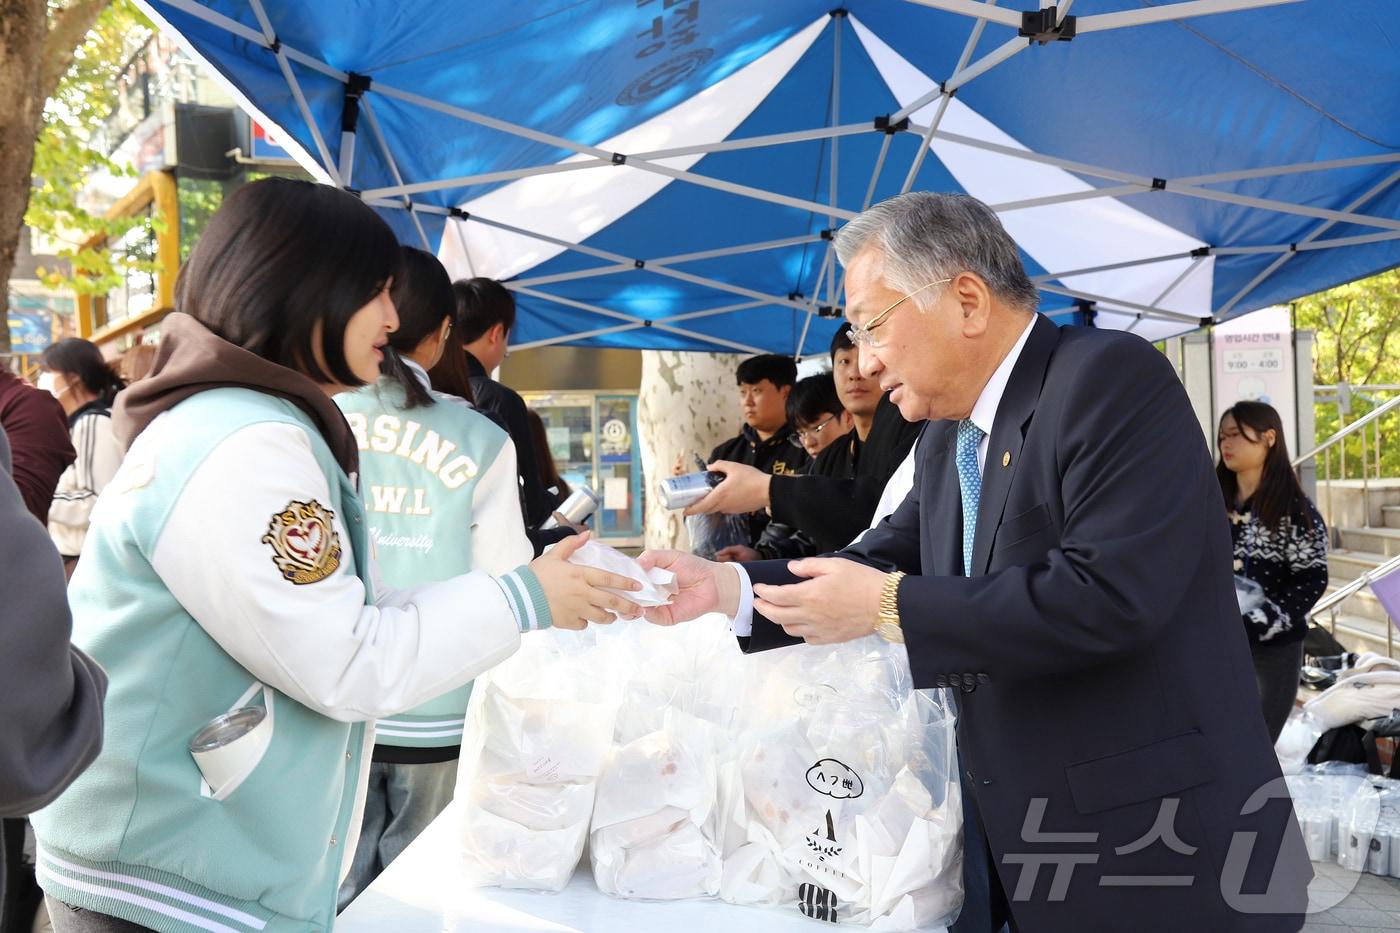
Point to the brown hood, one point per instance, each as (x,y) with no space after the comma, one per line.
(191,359)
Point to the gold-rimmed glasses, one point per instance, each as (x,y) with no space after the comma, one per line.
(861,334)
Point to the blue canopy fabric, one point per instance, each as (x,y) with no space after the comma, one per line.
(537,141)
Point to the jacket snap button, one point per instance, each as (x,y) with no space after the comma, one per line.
(334,841)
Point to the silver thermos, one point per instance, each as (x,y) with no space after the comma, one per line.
(582,502)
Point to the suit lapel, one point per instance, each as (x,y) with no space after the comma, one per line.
(1008,433)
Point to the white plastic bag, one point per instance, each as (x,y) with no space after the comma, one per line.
(846,803)
(655,822)
(538,730)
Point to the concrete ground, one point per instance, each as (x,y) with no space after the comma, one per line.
(1368,902)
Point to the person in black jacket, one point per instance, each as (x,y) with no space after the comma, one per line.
(834,500)
(763,443)
(485,318)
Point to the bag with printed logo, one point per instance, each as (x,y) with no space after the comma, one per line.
(842,801)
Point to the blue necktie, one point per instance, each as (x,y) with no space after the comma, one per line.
(970,482)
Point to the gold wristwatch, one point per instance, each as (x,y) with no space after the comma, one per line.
(887,623)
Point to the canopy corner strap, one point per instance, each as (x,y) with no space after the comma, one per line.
(1036,27)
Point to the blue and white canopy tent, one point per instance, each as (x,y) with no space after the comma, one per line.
(665,173)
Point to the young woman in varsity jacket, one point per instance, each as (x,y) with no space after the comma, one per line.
(1280,543)
(228,565)
(428,523)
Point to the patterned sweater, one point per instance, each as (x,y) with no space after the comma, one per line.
(1289,562)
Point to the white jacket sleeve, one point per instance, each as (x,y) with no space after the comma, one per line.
(317,641)
(498,526)
(98,457)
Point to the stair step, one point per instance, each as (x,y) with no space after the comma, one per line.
(1385,541)
(1360,634)
(1361,603)
(1390,514)
(1345,565)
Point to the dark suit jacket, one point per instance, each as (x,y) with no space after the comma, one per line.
(832,502)
(1102,672)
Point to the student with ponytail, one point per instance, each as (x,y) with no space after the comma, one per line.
(439,483)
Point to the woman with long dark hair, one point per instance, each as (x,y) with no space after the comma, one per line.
(429,524)
(1280,544)
(85,385)
(228,589)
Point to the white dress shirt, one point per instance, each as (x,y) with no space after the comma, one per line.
(984,415)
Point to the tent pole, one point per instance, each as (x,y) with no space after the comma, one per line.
(1163,184)
(639,322)
(276,47)
(961,75)
(672,260)
(1108,267)
(486,178)
(462,239)
(389,160)
(1322,228)
(875,175)
(982,11)
(1304,247)
(1169,12)
(757,142)
(1193,319)
(355,89)
(622,328)
(836,19)
(1191,267)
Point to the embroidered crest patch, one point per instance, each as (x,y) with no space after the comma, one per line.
(305,545)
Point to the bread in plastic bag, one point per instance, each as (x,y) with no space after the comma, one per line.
(538,730)
(848,806)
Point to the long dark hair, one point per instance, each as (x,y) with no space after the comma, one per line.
(1279,497)
(549,471)
(277,258)
(452,374)
(422,295)
(79,358)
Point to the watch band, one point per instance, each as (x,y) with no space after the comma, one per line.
(887,624)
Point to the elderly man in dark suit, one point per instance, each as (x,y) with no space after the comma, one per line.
(1064,563)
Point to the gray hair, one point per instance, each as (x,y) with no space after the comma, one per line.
(925,236)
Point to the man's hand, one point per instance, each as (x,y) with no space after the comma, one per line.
(736,552)
(575,593)
(702,587)
(744,490)
(839,601)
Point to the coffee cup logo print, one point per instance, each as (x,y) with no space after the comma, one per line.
(835,779)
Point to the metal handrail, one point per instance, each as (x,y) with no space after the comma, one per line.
(1347,431)
(1354,586)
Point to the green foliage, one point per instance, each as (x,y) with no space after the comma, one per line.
(1358,342)
(66,156)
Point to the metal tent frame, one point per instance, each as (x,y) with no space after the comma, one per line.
(1032,31)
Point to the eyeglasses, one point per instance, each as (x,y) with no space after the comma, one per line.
(797,437)
(861,333)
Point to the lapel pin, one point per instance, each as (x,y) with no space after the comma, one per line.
(1006,458)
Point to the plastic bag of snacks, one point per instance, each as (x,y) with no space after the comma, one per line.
(843,801)
(538,729)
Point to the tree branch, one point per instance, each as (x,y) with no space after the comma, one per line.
(66,31)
